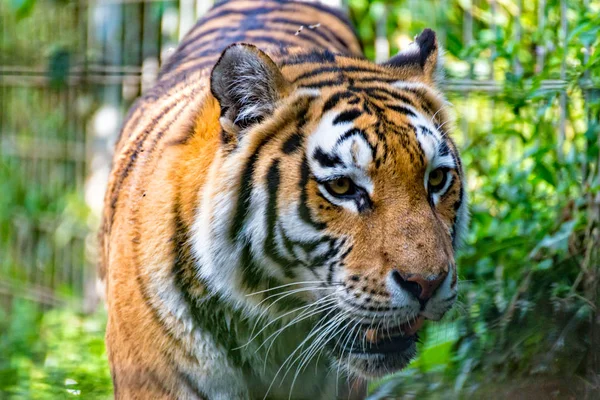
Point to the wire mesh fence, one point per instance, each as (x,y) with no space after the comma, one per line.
(70,69)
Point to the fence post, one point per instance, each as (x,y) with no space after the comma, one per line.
(187,16)
(468,40)
(541,48)
(202,7)
(382,45)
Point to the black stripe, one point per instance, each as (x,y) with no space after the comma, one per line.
(330,272)
(246,185)
(246,12)
(154,314)
(336,98)
(376,79)
(402,110)
(347,116)
(444,150)
(394,95)
(458,203)
(292,144)
(360,69)
(345,253)
(316,57)
(326,160)
(310,246)
(380,97)
(318,71)
(424,130)
(270,245)
(137,104)
(191,384)
(253,275)
(321,259)
(245,32)
(357,132)
(203,39)
(303,209)
(349,134)
(321,84)
(287,243)
(448,299)
(161,133)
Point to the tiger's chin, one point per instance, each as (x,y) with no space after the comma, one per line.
(385,358)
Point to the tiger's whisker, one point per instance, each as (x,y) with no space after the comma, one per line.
(286,285)
(298,347)
(282,296)
(308,306)
(318,344)
(316,326)
(335,321)
(308,313)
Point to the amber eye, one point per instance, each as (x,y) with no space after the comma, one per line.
(340,187)
(437,179)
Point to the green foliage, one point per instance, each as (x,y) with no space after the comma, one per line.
(524,314)
(49,354)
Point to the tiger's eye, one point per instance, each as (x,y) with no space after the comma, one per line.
(340,186)
(437,178)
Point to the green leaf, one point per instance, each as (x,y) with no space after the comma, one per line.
(543,172)
(22,8)
(557,241)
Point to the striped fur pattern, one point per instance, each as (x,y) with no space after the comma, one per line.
(281,214)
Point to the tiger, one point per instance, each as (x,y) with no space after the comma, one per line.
(282,214)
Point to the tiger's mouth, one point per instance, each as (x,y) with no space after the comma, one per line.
(381,350)
(388,340)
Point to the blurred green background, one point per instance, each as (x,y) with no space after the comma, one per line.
(524,82)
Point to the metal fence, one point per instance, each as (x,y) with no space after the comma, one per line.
(70,69)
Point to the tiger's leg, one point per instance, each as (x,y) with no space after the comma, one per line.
(133,377)
(160,374)
(151,362)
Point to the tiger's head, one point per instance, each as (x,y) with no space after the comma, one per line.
(337,194)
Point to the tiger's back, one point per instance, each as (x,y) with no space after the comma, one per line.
(280,28)
(193,245)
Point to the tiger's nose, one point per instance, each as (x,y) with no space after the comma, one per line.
(421,287)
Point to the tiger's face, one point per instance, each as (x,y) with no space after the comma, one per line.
(386,179)
(338,195)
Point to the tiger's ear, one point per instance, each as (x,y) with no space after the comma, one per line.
(247,84)
(421,59)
